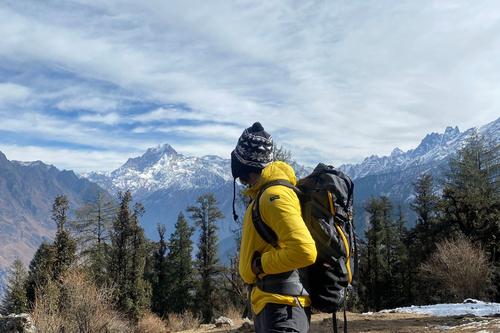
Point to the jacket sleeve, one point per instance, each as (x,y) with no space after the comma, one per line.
(280,210)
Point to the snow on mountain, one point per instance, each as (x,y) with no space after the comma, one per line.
(167,182)
(394,175)
(434,148)
(162,168)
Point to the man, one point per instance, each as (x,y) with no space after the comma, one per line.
(252,162)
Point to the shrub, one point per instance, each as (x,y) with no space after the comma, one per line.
(233,312)
(151,323)
(181,322)
(75,304)
(460,268)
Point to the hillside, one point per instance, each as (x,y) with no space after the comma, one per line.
(27,193)
(394,175)
(166,181)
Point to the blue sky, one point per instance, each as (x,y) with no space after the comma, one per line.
(86,84)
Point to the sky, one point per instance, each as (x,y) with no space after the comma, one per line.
(85,85)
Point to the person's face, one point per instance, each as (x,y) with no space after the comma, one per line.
(250,179)
(244,180)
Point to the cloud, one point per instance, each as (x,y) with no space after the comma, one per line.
(108,119)
(65,158)
(72,132)
(91,103)
(334,81)
(165,114)
(13,93)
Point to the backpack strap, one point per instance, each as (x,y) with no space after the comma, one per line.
(287,283)
(264,231)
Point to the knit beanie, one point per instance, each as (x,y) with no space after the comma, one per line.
(253,152)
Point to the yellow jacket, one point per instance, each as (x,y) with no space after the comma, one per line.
(280,210)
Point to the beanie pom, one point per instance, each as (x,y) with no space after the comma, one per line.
(256,127)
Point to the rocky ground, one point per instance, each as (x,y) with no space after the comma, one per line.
(386,323)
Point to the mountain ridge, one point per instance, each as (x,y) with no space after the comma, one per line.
(433,147)
(27,192)
(167,182)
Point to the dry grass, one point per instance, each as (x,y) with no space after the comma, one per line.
(151,323)
(181,322)
(233,313)
(77,305)
(461,268)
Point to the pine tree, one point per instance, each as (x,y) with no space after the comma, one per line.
(40,271)
(401,260)
(92,227)
(128,258)
(471,197)
(159,279)
(426,205)
(15,299)
(139,288)
(383,257)
(471,194)
(180,267)
(372,259)
(119,247)
(206,214)
(64,244)
(422,238)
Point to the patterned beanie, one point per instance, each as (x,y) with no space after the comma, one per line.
(253,152)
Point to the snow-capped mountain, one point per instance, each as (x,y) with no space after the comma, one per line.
(167,182)
(161,168)
(434,148)
(394,175)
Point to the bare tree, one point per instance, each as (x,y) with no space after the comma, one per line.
(461,268)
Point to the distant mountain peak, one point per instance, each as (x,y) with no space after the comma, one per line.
(162,168)
(434,148)
(433,140)
(396,152)
(36,163)
(150,157)
(164,149)
(453,131)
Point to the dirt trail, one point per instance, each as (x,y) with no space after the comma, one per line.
(388,323)
(407,323)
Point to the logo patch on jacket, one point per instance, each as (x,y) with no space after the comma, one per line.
(274,197)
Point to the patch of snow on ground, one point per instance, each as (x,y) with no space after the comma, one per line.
(469,307)
(471,326)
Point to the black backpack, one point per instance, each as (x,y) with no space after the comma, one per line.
(326,198)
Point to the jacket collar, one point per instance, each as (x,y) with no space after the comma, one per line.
(274,171)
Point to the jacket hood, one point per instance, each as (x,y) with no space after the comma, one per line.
(274,171)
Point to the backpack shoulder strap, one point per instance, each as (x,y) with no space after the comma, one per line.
(262,228)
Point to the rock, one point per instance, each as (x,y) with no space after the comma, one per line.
(21,323)
(247,326)
(471,301)
(207,327)
(223,322)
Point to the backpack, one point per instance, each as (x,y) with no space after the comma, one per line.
(326,198)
